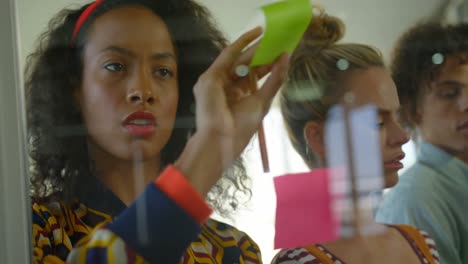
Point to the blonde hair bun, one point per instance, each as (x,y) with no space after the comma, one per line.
(323,30)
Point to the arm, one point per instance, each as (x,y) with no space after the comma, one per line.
(225,125)
(159,219)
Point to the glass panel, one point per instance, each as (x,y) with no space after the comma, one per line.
(15,223)
(376,23)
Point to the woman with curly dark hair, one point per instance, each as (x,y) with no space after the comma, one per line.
(119,170)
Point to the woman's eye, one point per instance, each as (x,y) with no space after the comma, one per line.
(450,93)
(114,67)
(380,124)
(164,73)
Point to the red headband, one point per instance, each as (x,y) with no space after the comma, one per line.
(83,17)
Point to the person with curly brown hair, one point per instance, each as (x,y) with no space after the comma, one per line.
(430,69)
(134,112)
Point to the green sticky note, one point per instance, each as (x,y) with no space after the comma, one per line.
(286,22)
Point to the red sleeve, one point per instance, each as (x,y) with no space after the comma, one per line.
(176,187)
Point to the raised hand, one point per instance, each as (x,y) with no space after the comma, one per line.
(227,115)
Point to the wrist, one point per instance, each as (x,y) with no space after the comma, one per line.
(176,186)
(201,162)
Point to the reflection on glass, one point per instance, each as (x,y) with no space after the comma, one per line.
(76,108)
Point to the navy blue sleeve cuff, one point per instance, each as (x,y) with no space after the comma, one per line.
(156,227)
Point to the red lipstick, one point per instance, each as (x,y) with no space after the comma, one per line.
(140,123)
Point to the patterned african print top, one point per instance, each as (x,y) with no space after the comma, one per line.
(422,244)
(99,228)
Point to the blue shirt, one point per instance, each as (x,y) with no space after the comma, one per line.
(433,195)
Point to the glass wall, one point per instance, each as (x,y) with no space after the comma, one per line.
(374,22)
(15,225)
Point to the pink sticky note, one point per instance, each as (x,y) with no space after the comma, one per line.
(304,213)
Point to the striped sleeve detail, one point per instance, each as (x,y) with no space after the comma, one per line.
(329,255)
(300,256)
(422,243)
(432,246)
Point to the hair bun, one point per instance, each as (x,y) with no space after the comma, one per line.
(323,30)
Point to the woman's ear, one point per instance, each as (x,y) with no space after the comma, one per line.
(313,135)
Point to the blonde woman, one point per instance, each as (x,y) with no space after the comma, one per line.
(332,69)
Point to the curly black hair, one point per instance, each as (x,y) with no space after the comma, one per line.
(56,133)
(412,63)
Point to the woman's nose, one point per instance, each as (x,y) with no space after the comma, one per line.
(140,96)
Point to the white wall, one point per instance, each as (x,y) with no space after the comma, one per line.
(375,22)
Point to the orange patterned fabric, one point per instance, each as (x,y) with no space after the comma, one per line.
(421,243)
(58,229)
(421,240)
